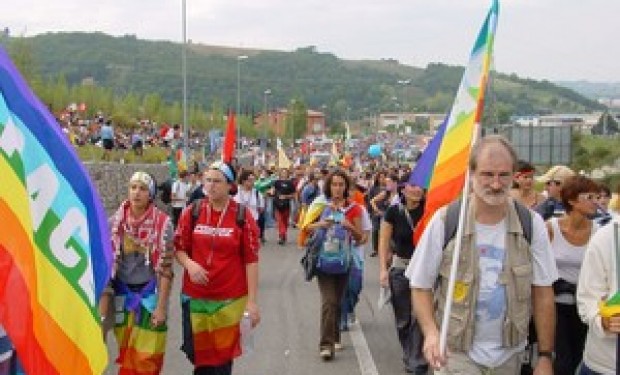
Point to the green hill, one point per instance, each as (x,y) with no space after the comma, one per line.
(129,65)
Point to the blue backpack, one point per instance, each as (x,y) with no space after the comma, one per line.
(335,253)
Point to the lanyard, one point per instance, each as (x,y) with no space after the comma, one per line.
(215,230)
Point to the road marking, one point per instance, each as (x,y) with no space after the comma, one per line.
(364,358)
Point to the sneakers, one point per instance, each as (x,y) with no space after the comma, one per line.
(338,346)
(326,354)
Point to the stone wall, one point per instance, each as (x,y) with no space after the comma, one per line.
(112,180)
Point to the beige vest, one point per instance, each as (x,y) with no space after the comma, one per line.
(516,275)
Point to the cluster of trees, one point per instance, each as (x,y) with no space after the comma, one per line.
(133,79)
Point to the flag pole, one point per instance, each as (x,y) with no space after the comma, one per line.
(445,322)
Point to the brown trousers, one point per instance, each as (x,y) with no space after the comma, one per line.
(332,289)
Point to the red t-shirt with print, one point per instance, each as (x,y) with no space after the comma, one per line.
(222,250)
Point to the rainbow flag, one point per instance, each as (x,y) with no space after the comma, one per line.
(55,256)
(211,332)
(443,165)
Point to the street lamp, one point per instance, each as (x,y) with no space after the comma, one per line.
(239,59)
(184,73)
(324,108)
(266,93)
(291,120)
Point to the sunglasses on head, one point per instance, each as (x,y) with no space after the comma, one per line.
(553,182)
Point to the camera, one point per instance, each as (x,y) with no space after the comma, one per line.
(338,217)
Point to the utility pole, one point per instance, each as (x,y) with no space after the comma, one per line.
(238,109)
(266,93)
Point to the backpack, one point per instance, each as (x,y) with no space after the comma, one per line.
(452,220)
(335,253)
(166,191)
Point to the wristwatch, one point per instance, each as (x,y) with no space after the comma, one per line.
(546,353)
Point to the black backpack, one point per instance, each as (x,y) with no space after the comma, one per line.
(452,220)
(166,191)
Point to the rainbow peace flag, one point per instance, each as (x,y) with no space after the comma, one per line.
(443,165)
(211,332)
(55,256)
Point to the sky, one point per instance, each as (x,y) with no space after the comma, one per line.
(540,39)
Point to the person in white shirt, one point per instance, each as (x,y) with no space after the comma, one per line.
(179,195)
(598,281)
(249,196)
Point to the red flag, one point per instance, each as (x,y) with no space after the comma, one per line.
(228,149)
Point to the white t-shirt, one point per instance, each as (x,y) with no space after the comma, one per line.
(180,190)
(366,227)
(423,271)
(251,200)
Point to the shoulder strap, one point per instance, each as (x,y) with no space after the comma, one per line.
(525,218)
(452,220)
(405,211)
(240,218)
(196,211)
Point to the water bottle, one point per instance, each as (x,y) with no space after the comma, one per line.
(247,334)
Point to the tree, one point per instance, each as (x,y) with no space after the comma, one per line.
(606,125)
(297,119)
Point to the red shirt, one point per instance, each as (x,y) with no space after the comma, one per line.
(354,212)
(222,250)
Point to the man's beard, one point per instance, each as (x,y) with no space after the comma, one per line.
(492,197)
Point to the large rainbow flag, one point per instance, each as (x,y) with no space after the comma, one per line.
(55,256)
(443,165)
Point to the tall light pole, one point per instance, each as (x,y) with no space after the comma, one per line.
(324,108)
(291,120)
(266,93)
(403,82)
(239,59)
(184,73)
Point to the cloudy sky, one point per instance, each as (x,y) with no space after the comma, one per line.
(541,39)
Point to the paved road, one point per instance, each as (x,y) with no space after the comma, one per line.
(286,342)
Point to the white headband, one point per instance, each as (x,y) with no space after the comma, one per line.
(145,179)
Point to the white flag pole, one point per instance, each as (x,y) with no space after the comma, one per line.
(443,334)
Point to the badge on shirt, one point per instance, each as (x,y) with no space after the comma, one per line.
(461,290)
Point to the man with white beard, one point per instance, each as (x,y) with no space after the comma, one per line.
(503,277)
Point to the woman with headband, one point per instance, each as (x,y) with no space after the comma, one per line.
(523,187)
(142,238)
(218,248)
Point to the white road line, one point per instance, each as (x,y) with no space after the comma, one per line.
(364,358)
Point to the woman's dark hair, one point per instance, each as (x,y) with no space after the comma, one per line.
(604,189)
(575,185)
(245,174)
(377,179)
(401,195)
(328,183)
(524,166)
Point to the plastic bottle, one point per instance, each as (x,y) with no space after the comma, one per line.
(247,334)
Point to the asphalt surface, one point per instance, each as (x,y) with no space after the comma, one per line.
(286,341)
